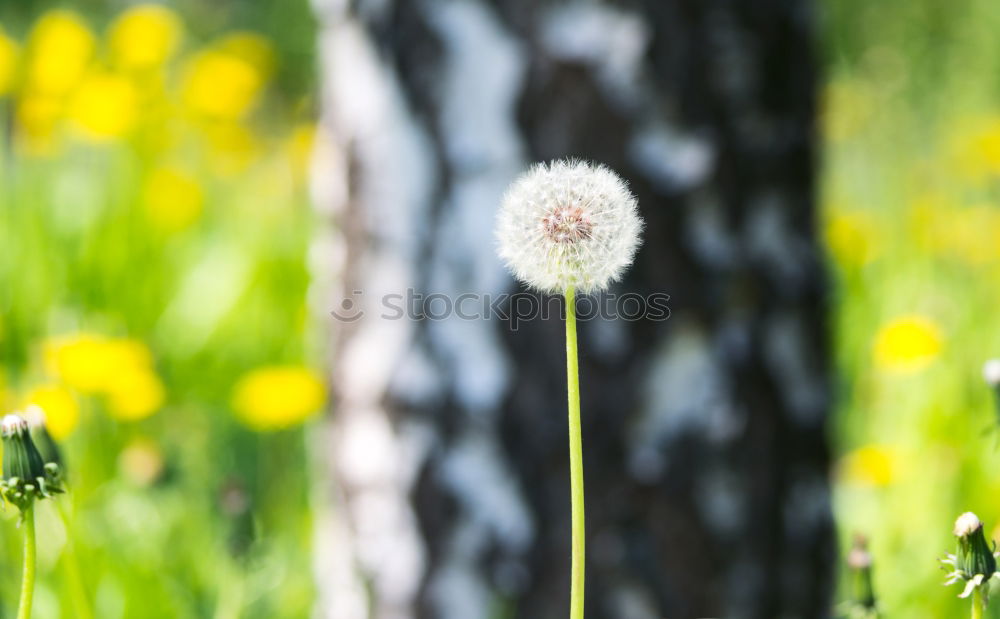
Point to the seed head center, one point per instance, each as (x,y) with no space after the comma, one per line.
(567,224)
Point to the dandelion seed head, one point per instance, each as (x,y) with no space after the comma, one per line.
(967,524)
(568,223)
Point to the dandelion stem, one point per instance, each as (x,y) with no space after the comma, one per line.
(28,575)
(575,458)
(977,604)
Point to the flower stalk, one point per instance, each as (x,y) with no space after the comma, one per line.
(28,570)
(575,461)
(978,604)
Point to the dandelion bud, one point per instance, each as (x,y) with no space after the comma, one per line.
(859,562)
(974,555)
(21,459)
(991,372)
(974,562)
(25,475)
(568,223)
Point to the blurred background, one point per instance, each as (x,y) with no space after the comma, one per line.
(910,221)
(188,188)
(155,227)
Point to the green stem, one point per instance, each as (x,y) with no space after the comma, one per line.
(977,604)
(575,458)
(28,575)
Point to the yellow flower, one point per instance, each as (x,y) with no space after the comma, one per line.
(173,198)
(62,413)
(91,363)
(972,233)
(276,397)
(134,394)
(851,237)
(79,361)
(144,36)
(873,465)
(220,85)
(61,47)
(968,233)
(104,107)
(907,344)
(8,63)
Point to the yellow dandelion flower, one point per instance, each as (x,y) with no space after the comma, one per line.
(79,361)
(134,394)
(60,49)
(871,465)
(104,107)
(173,198)
(62,413)
(907,344)
(144,36)
(220,85)
(92,363)
(277,397)
(971,233)
(8,63)
(851,237)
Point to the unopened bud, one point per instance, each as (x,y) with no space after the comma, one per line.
(25,474)
(974,560)
(859,561)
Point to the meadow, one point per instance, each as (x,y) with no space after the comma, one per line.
(912,224)
(155,223)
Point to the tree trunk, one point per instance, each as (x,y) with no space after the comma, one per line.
(704,447)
